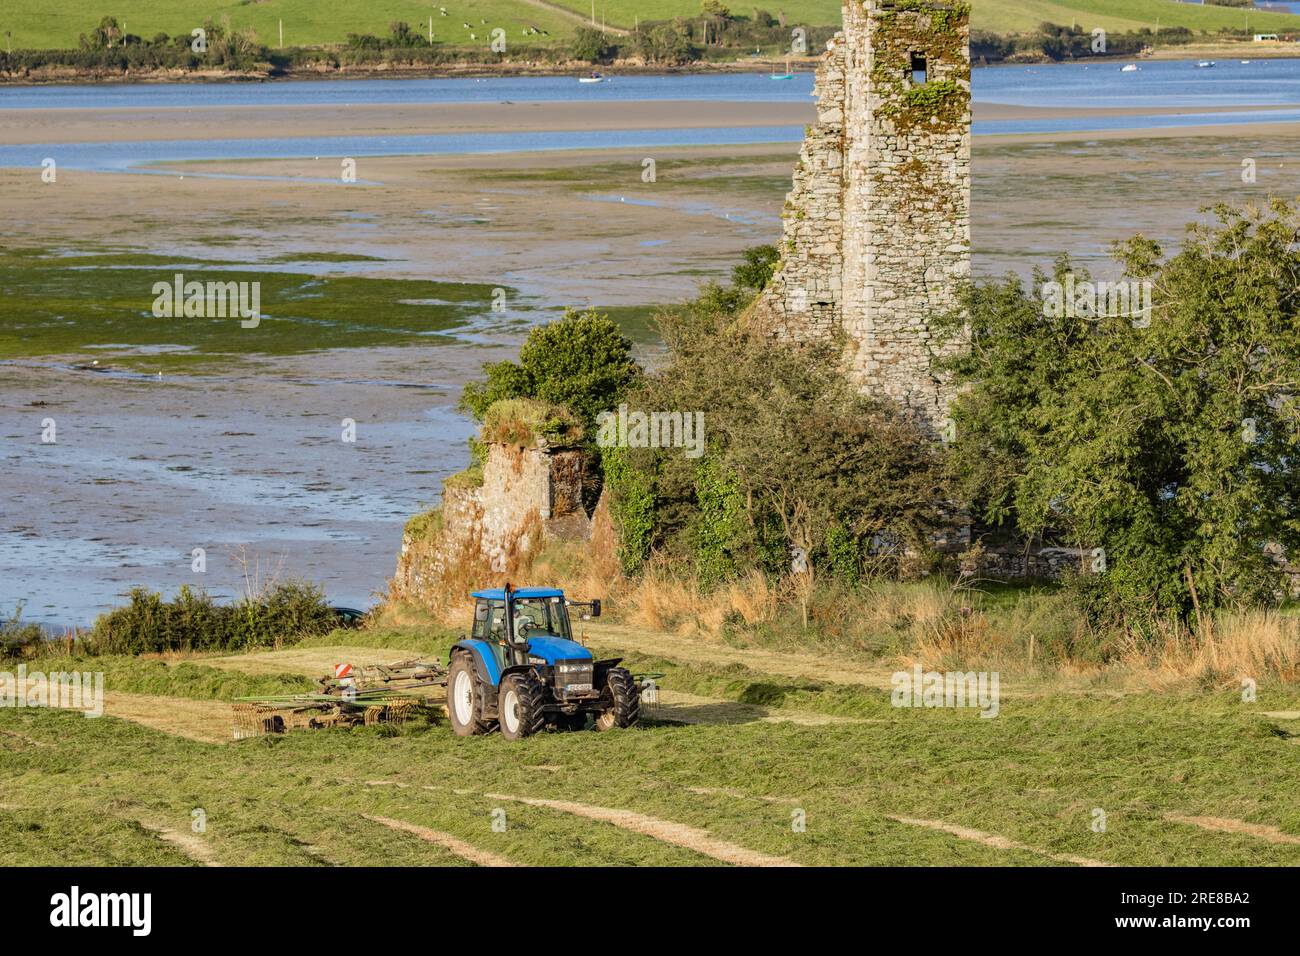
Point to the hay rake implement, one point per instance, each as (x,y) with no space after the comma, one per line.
(362,696)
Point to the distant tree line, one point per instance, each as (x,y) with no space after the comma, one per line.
(716,34)
(1052,41)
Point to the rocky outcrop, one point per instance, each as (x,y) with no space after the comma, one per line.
(527,495)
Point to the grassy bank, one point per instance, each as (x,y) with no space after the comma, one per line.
(1024,16)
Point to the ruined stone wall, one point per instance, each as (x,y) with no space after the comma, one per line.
(803,300)
(876,236)
(527,495)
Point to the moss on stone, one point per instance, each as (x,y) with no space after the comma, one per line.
(424,525)
(523,422)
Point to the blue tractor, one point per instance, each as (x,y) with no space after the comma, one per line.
(521,670)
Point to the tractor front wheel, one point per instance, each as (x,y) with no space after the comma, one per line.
(463,698)
(521,706)
(625,709)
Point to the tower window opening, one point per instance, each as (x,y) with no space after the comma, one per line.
(918,69)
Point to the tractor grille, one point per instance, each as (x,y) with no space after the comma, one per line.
(573,679)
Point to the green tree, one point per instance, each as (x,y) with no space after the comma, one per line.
(583,362)
(591,45)
(666,43)
(1169,443)
(755,272)
(792,452)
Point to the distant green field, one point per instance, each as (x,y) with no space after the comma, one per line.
(624,13)
(36,25)
(1021,16)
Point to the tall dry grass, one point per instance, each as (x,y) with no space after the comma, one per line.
(664,598)
(1228,648)
(930,622)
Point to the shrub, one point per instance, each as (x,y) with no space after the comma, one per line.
(19,639)
(582,362)
(284,614)
(794,456)
(591,45)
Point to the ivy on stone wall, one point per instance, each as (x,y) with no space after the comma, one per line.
(918,26)
(721,529)
(632,506)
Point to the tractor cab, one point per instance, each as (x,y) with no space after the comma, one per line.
(536,623)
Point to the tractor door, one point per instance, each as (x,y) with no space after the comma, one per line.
(490,627)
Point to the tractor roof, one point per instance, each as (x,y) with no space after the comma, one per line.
(499,594)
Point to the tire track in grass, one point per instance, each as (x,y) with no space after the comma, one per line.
(994,840)
(445,840)
(741,795)
(193,847)
(1227,825)
(23,739)
(666,831)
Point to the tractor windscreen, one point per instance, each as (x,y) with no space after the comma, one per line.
(537,616)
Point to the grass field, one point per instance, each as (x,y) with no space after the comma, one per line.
(624,13)
(306,22)
(724,776)
(1024,16)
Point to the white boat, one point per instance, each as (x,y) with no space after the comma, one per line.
(1129,68)
(594,78)
(1204,64)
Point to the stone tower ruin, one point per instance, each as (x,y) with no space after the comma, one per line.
(876,236)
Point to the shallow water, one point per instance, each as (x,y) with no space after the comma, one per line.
(752,87)
(124,156)
(145,470)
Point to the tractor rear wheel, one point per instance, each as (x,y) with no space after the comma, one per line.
(521,706)
(626,707)
(463,695)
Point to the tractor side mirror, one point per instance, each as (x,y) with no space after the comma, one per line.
(593,608)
